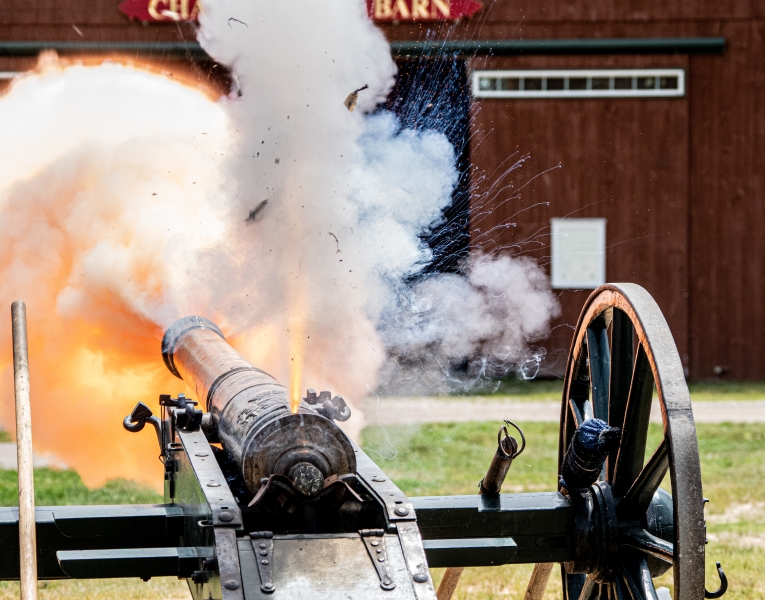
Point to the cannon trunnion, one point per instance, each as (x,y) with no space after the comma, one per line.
(261,502)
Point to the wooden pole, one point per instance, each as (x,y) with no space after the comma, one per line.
(538,582)
(449,583)
(27,531)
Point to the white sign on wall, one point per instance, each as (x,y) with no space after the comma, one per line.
(578,253)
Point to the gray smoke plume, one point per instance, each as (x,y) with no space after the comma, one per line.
(453,333)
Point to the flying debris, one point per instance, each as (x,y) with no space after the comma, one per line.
(350,101)
(171,14)
(336,242)
(255,212)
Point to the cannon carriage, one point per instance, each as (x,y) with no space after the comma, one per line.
(264,502)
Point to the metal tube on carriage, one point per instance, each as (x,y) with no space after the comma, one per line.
(252,412)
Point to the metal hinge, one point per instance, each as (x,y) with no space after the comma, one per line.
(263,546)
(374,540)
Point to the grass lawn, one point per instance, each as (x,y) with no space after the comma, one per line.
(450,459)
(550,390)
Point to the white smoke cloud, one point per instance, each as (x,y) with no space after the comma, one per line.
(128,200)
(346,202)
(450,332)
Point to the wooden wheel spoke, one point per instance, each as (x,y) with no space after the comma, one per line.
(582,409)
(629,460)
(640,539)
(589,590)
(600,366)
(637,577)
(603,591)
(639,496)
(622,363)
(574,583)
(618,590)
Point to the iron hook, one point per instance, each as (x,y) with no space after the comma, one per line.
(723,585)
(499,439)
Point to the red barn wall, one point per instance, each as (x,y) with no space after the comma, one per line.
(680,181)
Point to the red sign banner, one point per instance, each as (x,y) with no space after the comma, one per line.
(381,11)
(161,10)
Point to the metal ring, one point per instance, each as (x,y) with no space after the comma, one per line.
(499,439)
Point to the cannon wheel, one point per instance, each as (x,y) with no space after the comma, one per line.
(622,348)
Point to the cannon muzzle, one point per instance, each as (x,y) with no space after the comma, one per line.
(252,413)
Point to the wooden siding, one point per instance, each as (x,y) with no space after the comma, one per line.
(625,160)
(727,242)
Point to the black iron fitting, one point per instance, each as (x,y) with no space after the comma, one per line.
(595,542)
(507,451)
(723,585)
(182,409)
(334,409)
(137,420)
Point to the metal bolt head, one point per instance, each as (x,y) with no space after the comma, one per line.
(375,543)
(264,552)
(262,544)
(231,584)
(402,511)
(306,479)
(268,585)
(226,516)
(264,562)
(420,578)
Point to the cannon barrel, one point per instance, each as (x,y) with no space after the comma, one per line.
(252,412)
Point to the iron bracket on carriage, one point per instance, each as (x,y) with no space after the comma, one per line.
(261,502)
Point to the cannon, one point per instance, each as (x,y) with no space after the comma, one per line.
(268,500)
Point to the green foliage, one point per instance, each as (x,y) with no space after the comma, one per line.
(55,487)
